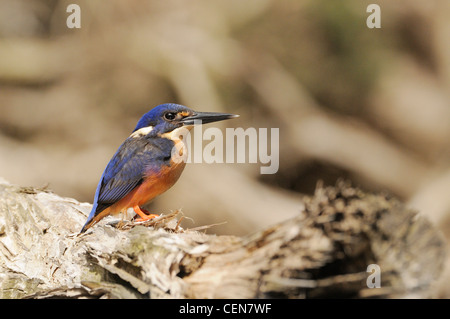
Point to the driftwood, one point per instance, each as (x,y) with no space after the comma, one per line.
(322,252)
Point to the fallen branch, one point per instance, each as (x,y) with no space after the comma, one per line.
(322,252)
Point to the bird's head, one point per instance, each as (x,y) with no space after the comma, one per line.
(165,118)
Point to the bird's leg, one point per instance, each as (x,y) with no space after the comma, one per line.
(142,213)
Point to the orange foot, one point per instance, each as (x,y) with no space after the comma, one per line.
(145,215)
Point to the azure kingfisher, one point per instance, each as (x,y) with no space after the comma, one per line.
(148,163)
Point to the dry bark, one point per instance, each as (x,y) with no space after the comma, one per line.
(322,252)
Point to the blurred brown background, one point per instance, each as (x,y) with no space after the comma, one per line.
(368,105)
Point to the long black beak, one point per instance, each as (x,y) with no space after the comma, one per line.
(206,117)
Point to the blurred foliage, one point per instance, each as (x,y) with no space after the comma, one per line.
(370,105)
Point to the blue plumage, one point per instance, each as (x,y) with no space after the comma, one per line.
(155,118)
(144,154)
(127,168)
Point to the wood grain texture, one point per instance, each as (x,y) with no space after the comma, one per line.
(322,252)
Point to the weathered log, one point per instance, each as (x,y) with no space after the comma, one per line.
(322,252)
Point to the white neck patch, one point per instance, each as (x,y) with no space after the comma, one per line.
(142,131)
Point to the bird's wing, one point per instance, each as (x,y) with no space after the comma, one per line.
(126,170)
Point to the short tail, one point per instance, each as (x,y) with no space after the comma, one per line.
(94,217)
(89,224)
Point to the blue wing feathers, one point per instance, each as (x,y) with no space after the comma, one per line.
(127,169)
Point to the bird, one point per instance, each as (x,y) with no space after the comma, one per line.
(148,162)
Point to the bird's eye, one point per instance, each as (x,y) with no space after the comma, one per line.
(170,116)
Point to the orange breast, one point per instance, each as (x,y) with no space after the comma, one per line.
(154,184)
